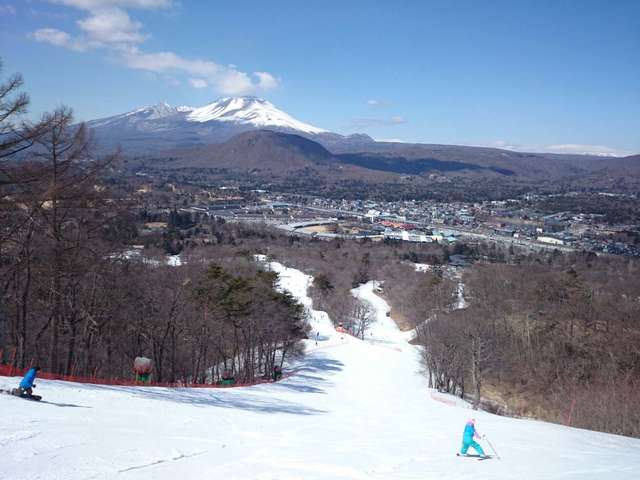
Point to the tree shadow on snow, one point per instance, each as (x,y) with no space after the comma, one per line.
(321,364)
(230,398)
(302,381)
(300,388)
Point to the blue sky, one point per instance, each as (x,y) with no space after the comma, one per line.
(527,75)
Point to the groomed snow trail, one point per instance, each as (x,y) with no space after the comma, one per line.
(355,410)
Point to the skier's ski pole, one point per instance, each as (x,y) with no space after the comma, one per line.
(494,450)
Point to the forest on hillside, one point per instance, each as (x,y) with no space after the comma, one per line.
(75,300)
(558,342)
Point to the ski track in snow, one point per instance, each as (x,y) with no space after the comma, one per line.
(179,456)
(14,437)
(353,410)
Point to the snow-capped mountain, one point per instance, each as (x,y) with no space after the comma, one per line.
(153,112)
(163,126)
(249,111)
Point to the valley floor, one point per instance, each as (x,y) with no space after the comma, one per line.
(354,410)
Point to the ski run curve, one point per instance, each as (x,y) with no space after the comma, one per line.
(355,410)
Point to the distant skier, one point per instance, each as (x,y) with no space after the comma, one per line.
(26,384)
(468,439)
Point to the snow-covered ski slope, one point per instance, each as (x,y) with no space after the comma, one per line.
(355,410)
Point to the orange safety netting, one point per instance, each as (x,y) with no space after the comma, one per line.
(11,371)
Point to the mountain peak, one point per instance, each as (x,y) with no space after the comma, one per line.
(249,110)
(153,112)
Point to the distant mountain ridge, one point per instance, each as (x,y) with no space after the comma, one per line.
(284,153)
(183,130)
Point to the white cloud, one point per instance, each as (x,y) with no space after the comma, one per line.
(7,10)
(58,38)
(377,103)
(376,122)
(109,26)
(226,79)
(502,144)
(161,62)
(198,83)
(575,148)
(233,82)
(92,5)
(565,148)
(266,81)
(37,13)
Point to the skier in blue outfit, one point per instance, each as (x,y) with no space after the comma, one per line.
(26,384)
(467,438)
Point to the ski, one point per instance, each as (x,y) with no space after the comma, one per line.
(477,457)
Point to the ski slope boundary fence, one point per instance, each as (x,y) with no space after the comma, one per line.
(11,371)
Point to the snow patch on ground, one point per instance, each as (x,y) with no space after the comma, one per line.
(422,267)
(136,254)
(455,274)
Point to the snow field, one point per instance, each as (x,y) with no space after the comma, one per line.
(355,410)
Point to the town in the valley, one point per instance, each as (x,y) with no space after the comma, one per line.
(513,221)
